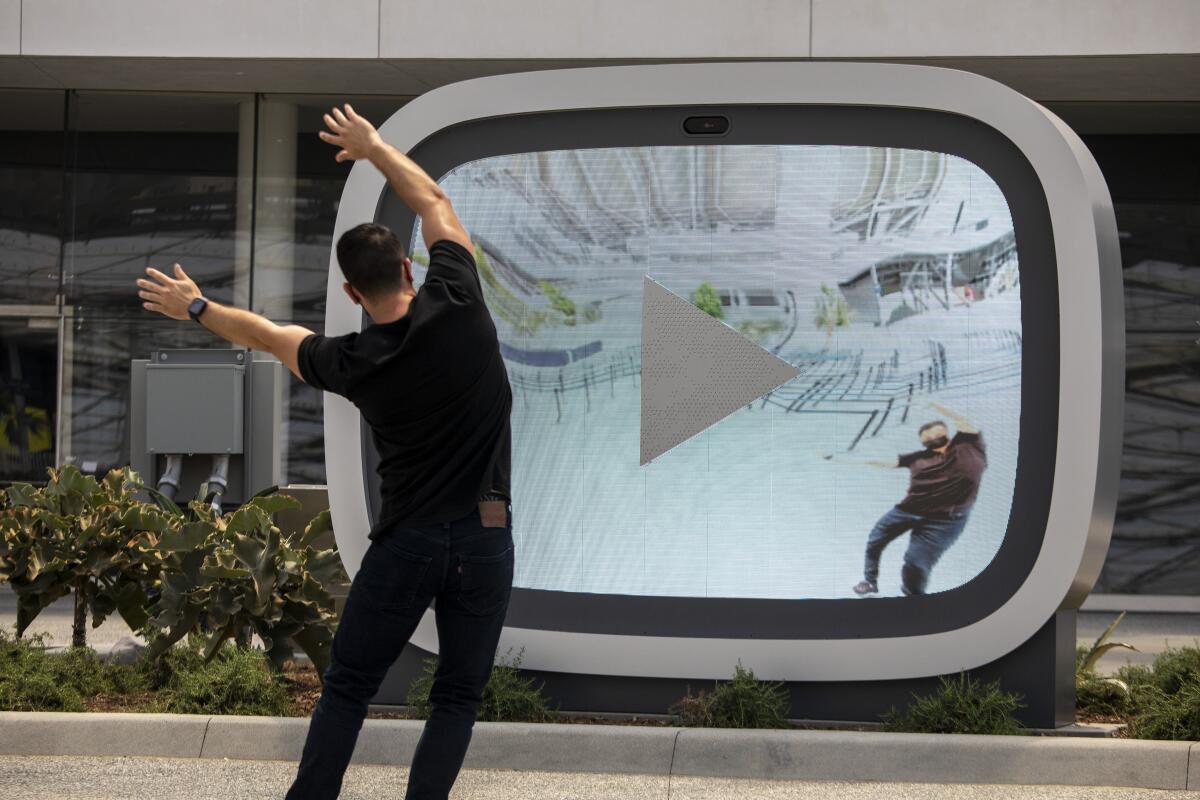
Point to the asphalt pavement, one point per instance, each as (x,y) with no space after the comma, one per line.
(59,778)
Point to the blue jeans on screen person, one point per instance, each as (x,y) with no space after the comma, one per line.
(469,570)
(930,538)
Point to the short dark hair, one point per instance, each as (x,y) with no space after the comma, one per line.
(371,256)
(929,425)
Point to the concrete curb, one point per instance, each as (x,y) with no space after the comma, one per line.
(926,758)
(757,754)
(52,733)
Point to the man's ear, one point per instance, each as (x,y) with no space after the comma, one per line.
(408,270)
(353,295)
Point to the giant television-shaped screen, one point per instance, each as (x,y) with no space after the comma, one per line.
(931,255)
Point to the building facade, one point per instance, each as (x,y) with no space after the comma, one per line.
(140,133)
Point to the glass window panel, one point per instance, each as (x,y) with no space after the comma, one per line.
(31,203)
(155,179)
(1155,185)
(299,187)
(28,383)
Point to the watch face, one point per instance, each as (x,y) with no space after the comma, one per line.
(196,307)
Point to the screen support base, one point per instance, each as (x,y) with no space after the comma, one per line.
(1042,671)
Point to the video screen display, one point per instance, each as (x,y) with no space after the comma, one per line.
(887,276)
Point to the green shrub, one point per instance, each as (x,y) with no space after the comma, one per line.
(77,535)
(237,680)
(1163,715)
(417,700)
(183,658)
(559,301)
(1081,654)
(507,697)
(832,310)
(37,690)
(744,702)
(32,679)
(1136,676)
(1086,658)
(706,299)
(238,573)
(1105,696)
(27,678)
(1175,667)
(960,705)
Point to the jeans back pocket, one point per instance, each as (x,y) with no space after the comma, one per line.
(394,576)
(486,581)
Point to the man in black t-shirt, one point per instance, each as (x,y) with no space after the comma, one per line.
(944,480)
(428,378)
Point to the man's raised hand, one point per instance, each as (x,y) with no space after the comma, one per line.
(166,295)
(356,137)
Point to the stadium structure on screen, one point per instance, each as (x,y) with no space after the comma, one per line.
(886,275)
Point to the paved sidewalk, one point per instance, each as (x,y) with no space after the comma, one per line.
(59,778)
(669,753)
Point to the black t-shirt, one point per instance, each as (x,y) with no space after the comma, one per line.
(433,388)
(944,485)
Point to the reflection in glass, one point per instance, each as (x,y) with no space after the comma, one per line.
(299,188)
(31,174)
(28,386)
(1155,185)
(156,179)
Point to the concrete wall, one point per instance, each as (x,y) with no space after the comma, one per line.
(545,29)
(1052,50)
(214,28)
(10,27)
(937,28)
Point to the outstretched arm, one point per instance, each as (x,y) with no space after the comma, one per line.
(358,139)
(869,462)
(960,422)
(171,297)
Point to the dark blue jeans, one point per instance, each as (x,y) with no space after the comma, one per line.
(930,538)
(468,569)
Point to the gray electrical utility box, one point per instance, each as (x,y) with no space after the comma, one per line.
(202,405)
(194,401)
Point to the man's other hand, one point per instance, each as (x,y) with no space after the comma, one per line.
(166,295)
(357,137)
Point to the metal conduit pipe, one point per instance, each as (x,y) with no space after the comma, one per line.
(168,483)
(218,481)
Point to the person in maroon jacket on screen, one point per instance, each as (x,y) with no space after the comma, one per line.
(944,481)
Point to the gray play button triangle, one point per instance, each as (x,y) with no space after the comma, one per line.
(696,370)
